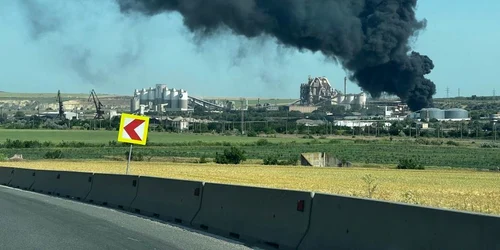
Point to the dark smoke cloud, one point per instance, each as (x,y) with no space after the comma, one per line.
(368,37)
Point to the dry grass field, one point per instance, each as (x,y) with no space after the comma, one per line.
(455,189)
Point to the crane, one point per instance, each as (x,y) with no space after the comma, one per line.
(98,105)
(61,107)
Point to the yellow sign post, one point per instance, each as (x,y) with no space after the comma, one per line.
(133,130)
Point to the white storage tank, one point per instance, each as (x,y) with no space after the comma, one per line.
(431,113)
(151,95)
(174,98)
(134,104)
(160,88)
(183,99)
(166,98)
(362,99)
(144,97)
(349,99)
(340,99)
(456,114)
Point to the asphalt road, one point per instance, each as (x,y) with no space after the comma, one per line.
(36,221)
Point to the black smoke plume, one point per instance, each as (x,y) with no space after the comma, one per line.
(368,37)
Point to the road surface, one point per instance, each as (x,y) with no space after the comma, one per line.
(35,221)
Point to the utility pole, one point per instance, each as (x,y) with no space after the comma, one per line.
(447,92)
(286,123)
(242,118)
(493,92)
(495,130)
(458,92)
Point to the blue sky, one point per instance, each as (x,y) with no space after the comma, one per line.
(89,44)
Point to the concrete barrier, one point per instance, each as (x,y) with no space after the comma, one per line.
(45,181)
(117,191)
(22,178)
(5,175)
(170,200)
(73,185)
(339,222)
(259,216)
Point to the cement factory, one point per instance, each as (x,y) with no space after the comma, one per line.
(314,93)
(318,91)
(159,99)
(163,99)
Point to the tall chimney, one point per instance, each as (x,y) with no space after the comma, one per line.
(345,85)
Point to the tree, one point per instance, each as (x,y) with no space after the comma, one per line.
(19,114)
(230,156)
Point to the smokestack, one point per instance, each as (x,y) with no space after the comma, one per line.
(369,38)
(345,86)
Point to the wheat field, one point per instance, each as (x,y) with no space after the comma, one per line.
(465,190)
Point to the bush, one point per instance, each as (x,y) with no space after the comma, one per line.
(252,134)
(292,160)
(452,143)
(230,156)
(409,163)
(56,154)
(203,159)
(262,142)
(273,160)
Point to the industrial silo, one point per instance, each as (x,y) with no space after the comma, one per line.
(151,95)
(431,113)
(134,104)
(456,114)
(143,97)
(362,99)
(340,99)
(174,98)
(183,100)
(349,99)
(160,89)
(166,98)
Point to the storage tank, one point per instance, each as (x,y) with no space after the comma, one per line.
(166,98)
(362,99)
(174,98)
(151,94)
(432,113)
(183,100)
(160,88)
(349,99)
(340,99)
(456,113)
(143,97)
(134,104)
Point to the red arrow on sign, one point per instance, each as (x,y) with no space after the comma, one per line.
(130,129)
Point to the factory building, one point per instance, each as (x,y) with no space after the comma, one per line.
(67,115)
(318,91)
(159,99)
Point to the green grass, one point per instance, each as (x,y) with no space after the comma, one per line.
(106,136)
(194,146)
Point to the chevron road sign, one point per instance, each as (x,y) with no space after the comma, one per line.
(133,129)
